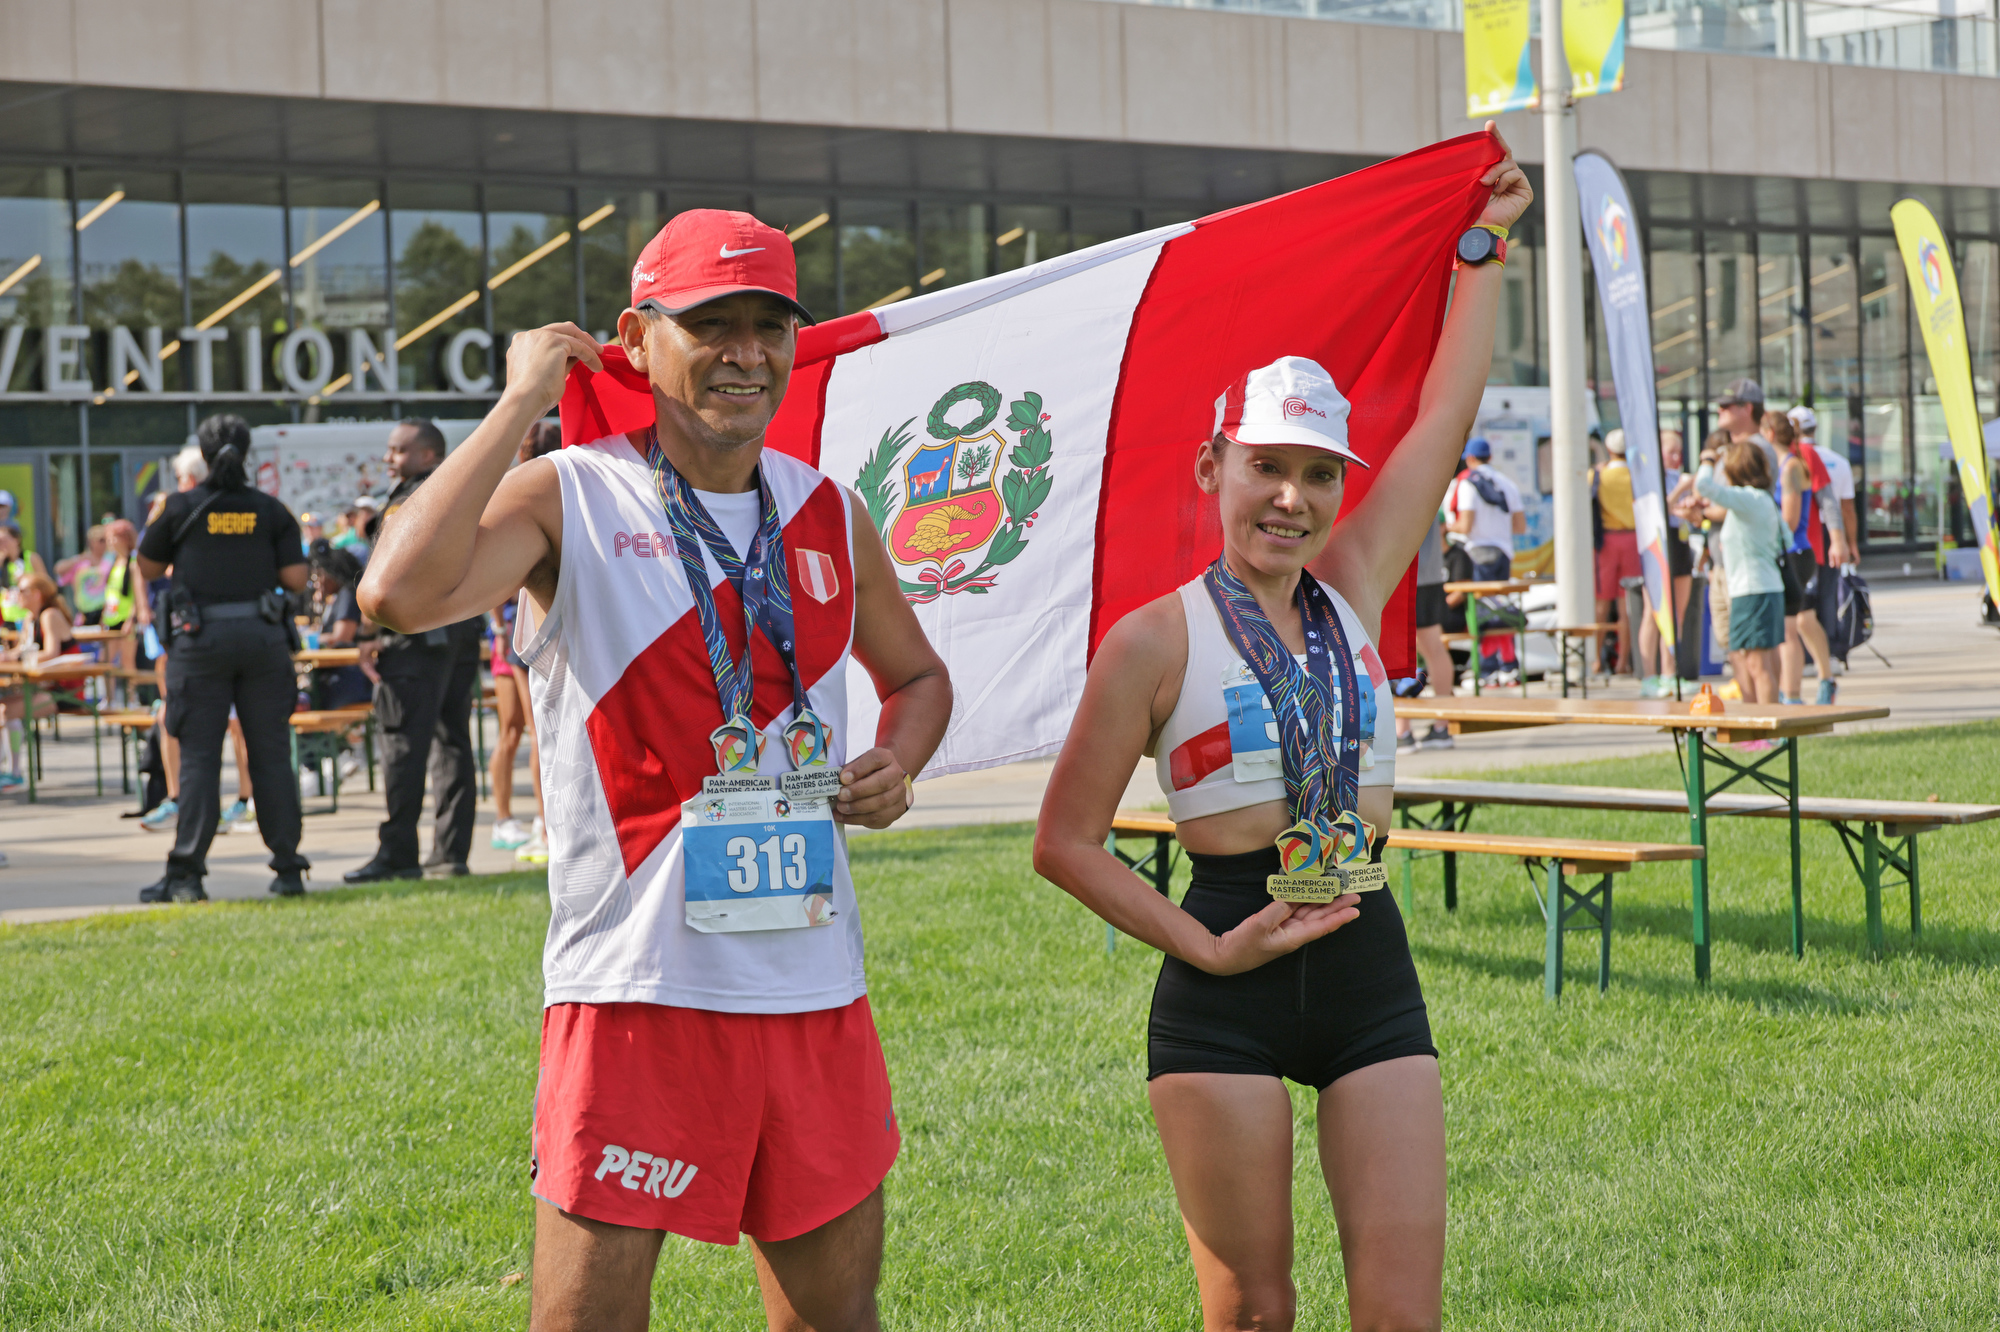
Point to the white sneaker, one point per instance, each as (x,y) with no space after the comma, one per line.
(310,784)
(509,834)
(349,764)
(534,851)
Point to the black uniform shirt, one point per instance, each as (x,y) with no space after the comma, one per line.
(233,551)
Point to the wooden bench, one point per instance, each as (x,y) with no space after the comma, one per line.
(319,736)
(1869,829)
(130,724)
(1588,634)
(1560,859)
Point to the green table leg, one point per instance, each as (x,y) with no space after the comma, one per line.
(1916,898)
(1798,875)
(1472,624)
(1698,869)
(1604,934)
(1552,947)
(30,734)
(1871,883)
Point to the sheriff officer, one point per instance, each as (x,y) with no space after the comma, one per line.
(232,549)
(423,703)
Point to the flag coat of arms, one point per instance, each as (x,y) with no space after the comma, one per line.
(1025,443)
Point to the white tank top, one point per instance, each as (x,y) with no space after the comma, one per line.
(623,696)
(1206,764)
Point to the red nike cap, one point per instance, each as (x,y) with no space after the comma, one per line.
(708,253)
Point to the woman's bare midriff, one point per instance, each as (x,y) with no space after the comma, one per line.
(1255,827)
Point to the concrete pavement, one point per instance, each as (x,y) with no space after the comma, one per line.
(70,853)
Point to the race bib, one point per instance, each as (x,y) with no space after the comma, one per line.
(1254,755)
(757,860)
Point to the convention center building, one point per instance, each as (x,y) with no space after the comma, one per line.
(338,210)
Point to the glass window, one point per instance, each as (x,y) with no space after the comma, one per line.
(878,254)
(1514,338)
(129,226)
(1730,289)
(956,245)
(1931,454)
(614,228)
(1781,320)
(1885,480)
(340,276)
(1094,226)
(807,221)
(35,285)
(236,262)
(1836,320)
(435,244)
(1026,235)
(1979,289)
(532,268)
(1677,326)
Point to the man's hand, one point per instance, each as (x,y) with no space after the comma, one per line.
(873,792)
(538,360)
(1280,928)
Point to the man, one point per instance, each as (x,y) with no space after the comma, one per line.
(231,547)
(1430,615)
(1488,516)
(1740,411)
(709,1063)
(1806,502)
(1843,535)
(423,703)
(1618,553)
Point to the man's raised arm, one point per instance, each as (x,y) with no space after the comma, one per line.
(474,532)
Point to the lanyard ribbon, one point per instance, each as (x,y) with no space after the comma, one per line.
(759,579)
(1319,739)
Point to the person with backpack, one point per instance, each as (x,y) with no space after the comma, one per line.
(1487,515)
(1806,491)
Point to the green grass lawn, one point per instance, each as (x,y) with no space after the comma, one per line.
(315,1114)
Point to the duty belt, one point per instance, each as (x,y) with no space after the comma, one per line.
(229,610)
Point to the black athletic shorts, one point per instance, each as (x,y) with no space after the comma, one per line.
(1338,1004)
(1430,604)
(1805,594)
(1680,559)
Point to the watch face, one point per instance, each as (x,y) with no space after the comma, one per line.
(1476,246)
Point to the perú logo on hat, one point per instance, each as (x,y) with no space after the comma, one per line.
(1293,400)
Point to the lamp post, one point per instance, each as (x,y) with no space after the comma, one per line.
(1569,444)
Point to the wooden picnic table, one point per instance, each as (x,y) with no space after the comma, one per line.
(97,633)
(327,658)
(30,676)
(1492,587)
(1781,723)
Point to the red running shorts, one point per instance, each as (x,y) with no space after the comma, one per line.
(1617,558)
(711,1125)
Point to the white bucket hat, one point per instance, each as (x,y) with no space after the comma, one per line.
(1290,401)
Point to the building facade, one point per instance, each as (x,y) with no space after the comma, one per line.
(340,209)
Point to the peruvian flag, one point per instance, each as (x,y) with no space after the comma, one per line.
(1026,442)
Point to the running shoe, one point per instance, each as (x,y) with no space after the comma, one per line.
(164,813)
(1407,743)
(237,813)
(348,764)
(1439,737)
(10,780)
(1827,689)
(535,851)
(1654,686)
(509,834)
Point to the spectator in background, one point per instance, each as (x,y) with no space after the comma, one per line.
(1617,542)
(515,707)
(1489,516)
(1653,649)
(311,529)
(1430,617)
(1752,540)
(335,573)
(7,507)
(1806,492)
(16,563)
(1740,411)
(1805,422)
(83,575)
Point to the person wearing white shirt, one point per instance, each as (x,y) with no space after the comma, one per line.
(1488,512)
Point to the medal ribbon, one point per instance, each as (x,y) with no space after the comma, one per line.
(759,578)
(1322,759)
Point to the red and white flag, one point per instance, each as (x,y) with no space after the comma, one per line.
(1026,442)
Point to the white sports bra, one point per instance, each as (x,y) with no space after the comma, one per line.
(1219,749)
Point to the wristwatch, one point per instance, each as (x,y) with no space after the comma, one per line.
(1482,245)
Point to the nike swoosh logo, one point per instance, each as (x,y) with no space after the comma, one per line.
(728,253)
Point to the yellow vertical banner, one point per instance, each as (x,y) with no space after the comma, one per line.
(1594,41)
(1499,71)
(1934,284)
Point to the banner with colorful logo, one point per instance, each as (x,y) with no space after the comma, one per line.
(1025,444)
(1594,41)
(1608,225)
(1499,67)
(1935,284)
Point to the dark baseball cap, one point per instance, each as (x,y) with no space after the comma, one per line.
(1740,392)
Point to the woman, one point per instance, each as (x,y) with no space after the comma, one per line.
(515,709)
(1804,484)
(1752,542)
(1252,990)
(335,574)
(15,566)
(84,575)
(46,632)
